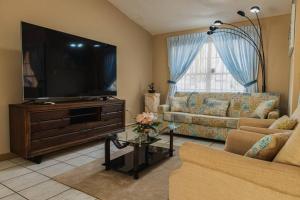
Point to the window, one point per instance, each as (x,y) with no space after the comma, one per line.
(208,74)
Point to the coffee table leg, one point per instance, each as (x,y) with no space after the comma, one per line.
(107,153)
(147,155)
(171,143)
(136,161)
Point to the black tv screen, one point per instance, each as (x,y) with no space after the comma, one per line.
(57,64)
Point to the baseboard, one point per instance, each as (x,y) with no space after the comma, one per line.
(7,156)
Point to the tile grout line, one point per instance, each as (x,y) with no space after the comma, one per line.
(8,189)
(1,182)
(37,171)
(15,192)
(31,185)
(41,183)
(61,193)
(80,154)
(18,192)
(15,165)
(86,154)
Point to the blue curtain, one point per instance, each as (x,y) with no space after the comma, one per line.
(239,56)
(182,50)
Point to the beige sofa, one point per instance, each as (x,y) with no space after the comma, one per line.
(242,105)
(211,174)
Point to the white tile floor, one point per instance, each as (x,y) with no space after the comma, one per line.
(23,180)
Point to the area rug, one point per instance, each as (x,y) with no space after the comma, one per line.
(111,185)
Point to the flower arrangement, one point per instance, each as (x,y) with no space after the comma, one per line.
(145,122)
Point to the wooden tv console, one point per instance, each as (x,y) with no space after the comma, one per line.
(39,129)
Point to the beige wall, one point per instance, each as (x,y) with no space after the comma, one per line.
(275,30)
(95,19)
(295,66)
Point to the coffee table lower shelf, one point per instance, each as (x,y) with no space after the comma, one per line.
(146,158)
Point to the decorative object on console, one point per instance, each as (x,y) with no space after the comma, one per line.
(152,101)
(151,88)
(239,32)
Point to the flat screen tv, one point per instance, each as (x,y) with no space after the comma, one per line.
(57,64)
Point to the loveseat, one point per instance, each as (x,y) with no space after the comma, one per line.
(241,105)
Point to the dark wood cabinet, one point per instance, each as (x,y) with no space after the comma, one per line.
(37,129)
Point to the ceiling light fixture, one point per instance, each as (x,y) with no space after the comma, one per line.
(241,13)
(255,9)
(218,23)
(239,32)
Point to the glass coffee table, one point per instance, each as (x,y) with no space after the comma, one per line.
(147,151)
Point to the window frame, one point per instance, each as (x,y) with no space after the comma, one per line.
(210,72)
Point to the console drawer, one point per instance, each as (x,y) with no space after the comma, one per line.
(49,115)
(43,143)
(72,128)
(48,125)
(113,108)
(112,115)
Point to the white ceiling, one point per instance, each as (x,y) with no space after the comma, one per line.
(162,16)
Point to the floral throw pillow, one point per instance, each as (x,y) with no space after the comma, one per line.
(268,146)
(179,104)
(284,123)
(263,109)
(214,107)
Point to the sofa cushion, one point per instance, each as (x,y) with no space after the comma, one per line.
(243,105)
(263,109)
(296,114)
(284,123)
(179,104)
(290,152)
(268,146)
(195,100)
(240,141)
(214,107)
(215,121)
(204,120)
(178,117)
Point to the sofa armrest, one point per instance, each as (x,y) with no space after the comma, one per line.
(278,177)
(239,142)
(254,122)
(265,131)
(273,114)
